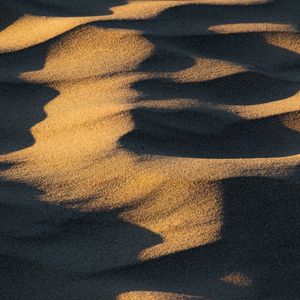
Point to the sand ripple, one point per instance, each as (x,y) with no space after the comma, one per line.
(149,149)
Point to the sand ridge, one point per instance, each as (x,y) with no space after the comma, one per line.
(149,149)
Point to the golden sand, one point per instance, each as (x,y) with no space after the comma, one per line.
(149,149)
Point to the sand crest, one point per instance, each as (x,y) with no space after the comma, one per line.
(149,149)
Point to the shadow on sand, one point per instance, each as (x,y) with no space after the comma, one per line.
(273,75)
(208,15)
(48,242)
(35,235)
(14,9)
(259,241)
(259,237)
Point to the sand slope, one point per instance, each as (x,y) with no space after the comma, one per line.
(149,149)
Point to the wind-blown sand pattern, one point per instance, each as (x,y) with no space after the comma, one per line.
(149,149)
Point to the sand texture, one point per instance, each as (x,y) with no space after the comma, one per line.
(149,149)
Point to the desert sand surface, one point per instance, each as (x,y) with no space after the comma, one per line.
(149,149)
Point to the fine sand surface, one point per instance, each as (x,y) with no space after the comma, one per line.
(149,149)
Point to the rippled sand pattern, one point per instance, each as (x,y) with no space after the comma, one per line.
(149,149)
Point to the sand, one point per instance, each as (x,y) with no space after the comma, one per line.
(149,149)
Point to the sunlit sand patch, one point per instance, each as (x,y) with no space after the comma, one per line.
(252,27)
(91,51)
(237,279)
(151,295)
(159,215)
(191,216)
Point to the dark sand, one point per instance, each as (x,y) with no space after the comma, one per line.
(149,149)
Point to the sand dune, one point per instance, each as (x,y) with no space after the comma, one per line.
(149,149)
